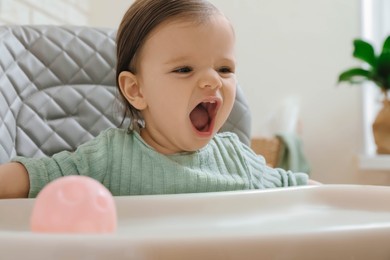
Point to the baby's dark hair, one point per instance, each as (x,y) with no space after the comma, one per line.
(140,19)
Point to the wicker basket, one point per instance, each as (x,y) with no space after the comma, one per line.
(269,148)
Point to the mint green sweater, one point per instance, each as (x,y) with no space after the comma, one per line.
(126,165)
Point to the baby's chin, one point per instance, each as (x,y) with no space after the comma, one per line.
(199,144)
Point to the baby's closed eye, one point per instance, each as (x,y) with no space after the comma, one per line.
(184,69)
(225,69)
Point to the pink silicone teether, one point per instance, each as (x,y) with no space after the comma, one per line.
(74,204)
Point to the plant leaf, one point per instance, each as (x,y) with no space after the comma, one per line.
(383,66)
(386,45)
(364,51)
(387,84)
(355,75)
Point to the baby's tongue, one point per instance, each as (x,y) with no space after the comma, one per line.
(199,117)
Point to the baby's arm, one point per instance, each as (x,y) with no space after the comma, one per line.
(14,181)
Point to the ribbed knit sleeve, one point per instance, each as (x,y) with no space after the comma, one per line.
(126,165)
(267,177)
(90,158)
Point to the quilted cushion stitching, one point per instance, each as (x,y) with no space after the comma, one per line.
(9,131)
(4,145)
(16,59)
(34,118)
(84,99)
(54,132)
(90,57)
(101,114)
(46,66)
(6,113)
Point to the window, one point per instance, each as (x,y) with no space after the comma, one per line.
(375,28)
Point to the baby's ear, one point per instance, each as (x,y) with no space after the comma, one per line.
(130,89)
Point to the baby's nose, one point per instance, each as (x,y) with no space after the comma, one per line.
(210,79)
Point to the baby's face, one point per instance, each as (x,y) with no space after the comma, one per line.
(186,73)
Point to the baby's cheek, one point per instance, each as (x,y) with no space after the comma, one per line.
(74,204)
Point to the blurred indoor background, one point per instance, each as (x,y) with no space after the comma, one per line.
(289,56)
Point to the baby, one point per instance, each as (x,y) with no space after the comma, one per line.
(176,74)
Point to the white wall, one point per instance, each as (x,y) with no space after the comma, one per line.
(294,49)
(43,11)
(297,49)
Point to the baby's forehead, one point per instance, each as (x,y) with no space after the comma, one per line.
(178,38)
(190,22)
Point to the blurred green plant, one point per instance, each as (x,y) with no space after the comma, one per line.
(378,69)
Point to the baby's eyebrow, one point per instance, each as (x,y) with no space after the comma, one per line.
(229,59)
(178,60)
(181,59)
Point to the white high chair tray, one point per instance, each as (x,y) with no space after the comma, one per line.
(312,222)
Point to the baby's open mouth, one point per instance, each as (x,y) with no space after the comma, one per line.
(203,114)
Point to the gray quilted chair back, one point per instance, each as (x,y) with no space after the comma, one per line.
(57,90)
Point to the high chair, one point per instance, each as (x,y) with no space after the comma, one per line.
(57,90)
